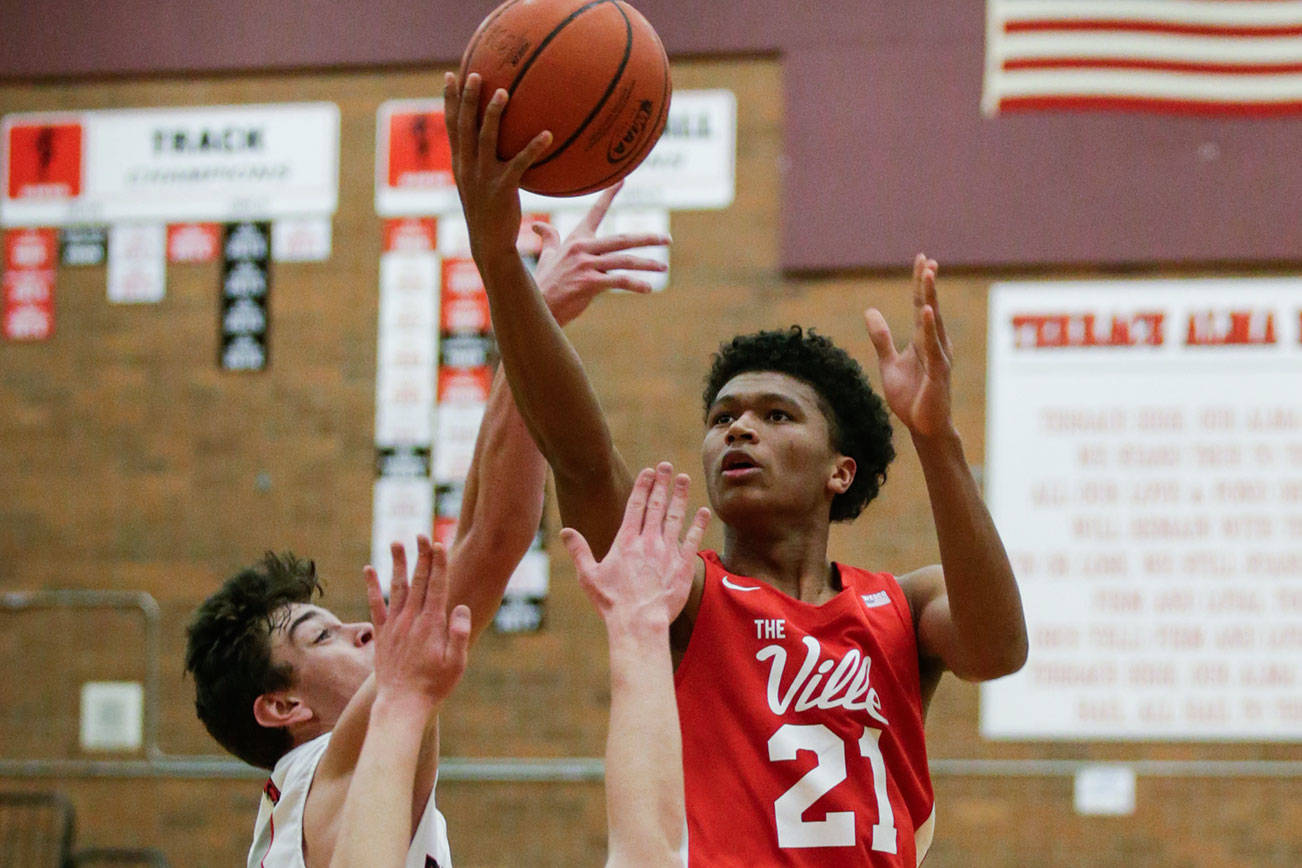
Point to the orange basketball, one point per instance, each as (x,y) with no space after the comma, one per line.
(592,71)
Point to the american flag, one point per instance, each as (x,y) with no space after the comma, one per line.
(1206,57)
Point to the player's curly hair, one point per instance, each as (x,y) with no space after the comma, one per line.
(229,653)
(856,416)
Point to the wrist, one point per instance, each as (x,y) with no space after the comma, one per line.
(941,442)
(636,628)
(404,705)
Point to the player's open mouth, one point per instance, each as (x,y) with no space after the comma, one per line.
(738,465)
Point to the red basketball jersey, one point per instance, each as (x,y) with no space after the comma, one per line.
(802,726)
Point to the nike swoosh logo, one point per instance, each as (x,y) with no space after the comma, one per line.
(728,584)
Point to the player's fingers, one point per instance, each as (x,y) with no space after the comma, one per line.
(696,531)
(676,511)
(626,241)
(613,261)
(492,123)
(547,233)
(458,647)
(880,334)
(467,114)
(374,596)
(919,263)
(597,212)
(521,162)
(436,596)
(626,282)
(398,582)
(937,359)
(658,501)
(420,575)
(635,510)
(580,551)
(932,297)
(451,104)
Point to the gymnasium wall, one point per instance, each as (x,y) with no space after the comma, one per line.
(129,461)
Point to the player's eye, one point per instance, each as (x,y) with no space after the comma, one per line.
(779,415)
(722,419)
(324,634)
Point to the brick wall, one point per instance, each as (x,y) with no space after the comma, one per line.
(127,461)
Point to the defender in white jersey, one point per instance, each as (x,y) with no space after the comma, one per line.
(278,832)
(274,672)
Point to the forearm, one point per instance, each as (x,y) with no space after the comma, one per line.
(985,607)
(555,400)
(375,823)
(644,764)
(501,508)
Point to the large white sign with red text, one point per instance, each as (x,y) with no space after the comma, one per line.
(210,163)
(692,167)
(1144,467)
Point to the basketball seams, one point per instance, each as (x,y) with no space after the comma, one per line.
(610,88)
(637,155)
(483,28)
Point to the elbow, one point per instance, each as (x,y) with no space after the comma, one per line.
(995,662)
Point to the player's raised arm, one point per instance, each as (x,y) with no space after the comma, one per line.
(968,612)
(420,653)
(639,588)
(547,378)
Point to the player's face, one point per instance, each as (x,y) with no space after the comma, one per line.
(330,659)
(768,450)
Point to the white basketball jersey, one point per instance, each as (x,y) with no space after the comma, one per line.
(278,831)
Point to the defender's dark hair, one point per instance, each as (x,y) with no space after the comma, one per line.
(229,654)
(857,417)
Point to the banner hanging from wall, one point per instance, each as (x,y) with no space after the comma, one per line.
(210,163)
(692,167)
(1144,467)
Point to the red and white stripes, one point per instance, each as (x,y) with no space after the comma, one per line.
(1217,57)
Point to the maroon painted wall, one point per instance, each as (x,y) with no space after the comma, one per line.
(887,150)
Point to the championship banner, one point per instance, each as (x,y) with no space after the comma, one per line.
(692,167)
(171,165)
(1144,467)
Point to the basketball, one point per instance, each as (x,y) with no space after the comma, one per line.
(592,71)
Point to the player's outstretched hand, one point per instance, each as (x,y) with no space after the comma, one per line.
(420,650)
(574,271)
(645,578)
(489,187)
(916,382)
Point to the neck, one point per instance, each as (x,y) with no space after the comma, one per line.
(793,560)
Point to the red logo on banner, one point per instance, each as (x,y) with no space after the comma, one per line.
(410,234)
(44,161)
(419,152)
(193,242)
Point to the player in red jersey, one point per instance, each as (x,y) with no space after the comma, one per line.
(802,683)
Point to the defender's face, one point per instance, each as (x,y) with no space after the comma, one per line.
(767,449)
(330,659)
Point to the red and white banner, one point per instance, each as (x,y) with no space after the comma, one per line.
(169,165)
(27,313)
(692,167)
(1211,57)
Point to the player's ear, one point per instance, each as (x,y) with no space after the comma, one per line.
(843,470)
(280,708)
